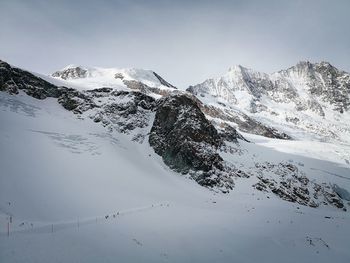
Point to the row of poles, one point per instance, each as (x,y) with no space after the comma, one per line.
(52,225)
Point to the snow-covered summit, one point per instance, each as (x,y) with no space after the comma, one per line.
(97,77)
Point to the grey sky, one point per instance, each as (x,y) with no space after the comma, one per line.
(184,41)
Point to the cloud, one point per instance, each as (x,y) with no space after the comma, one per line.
(184,41)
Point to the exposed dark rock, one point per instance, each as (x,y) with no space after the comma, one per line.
(76,101)
(139,86)
(119,76)
(335,88)
(292,185)
(244,122)
(71,73)
(252,126)
(163,82)
(126,112)
(294,120)
(100,92)
(14,79)
(184,137)
(227,132)
(136,85)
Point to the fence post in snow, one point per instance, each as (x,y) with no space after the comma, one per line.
(8,229)
(52,228)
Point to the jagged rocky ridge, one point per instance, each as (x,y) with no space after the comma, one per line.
(291,184)
(177,128)
(274,104)
(14,79)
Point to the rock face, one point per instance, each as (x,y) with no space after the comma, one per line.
(323,81)
(139,86)
(163,82)
(126,112)
(291,184)
(183,136)
(14,79)
(243,121)
(71,73)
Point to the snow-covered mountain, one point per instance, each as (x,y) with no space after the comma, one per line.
(306,100)
(94,77)
(119,165)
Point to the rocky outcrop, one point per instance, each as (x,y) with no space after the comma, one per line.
(243,122)
(323,81)
(14,79)
(189,143)
(291,184)
(163,81)
(127,112)
(139,86)
(122,111)
(183,136)
(71,73)
(76,101)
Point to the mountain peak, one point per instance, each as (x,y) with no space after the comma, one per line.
(237,68)
(71,72)
(70,66)
(308,65)
(92,77)
(303,64)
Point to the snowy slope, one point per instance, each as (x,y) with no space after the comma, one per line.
(59,199)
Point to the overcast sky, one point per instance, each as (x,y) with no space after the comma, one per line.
(184,41)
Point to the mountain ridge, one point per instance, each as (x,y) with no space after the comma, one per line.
(301,97)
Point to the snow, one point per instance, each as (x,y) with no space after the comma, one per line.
(239,90)
(98,77)
(60,173)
